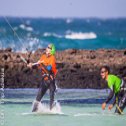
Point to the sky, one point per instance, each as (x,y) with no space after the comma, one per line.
(63,8)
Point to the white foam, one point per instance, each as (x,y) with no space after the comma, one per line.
(47,34)
(81,36)
(30,43)
(22,26)
(85,114)
(94,114)
(27,28)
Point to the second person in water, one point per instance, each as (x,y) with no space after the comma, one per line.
(117,88)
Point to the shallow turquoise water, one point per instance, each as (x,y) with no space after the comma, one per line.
(77,113)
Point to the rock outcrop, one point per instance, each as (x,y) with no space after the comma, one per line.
(76,68)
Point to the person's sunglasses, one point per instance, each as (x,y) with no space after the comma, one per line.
(49,47)
(103,71)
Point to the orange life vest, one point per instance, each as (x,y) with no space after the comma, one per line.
(48,60)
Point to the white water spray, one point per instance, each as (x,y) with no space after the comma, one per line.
(44,108)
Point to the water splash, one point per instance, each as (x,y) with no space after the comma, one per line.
(44,108)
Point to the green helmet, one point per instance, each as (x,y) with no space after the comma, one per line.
(53,50)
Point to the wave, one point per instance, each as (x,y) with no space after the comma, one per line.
(47,34)
(72,35)
(27,28)
(81,36)
(31,44)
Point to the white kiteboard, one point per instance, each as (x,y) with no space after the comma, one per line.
(43,113)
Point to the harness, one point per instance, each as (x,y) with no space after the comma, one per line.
(47,76)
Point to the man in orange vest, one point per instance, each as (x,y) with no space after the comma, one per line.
(47,64)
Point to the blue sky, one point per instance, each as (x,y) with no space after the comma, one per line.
(64,8)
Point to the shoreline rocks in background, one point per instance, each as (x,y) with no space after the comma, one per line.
(76,68)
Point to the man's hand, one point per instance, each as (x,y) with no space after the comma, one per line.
(29,65)
(103,106)
(110,106)
(39,62)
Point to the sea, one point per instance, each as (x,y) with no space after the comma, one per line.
(20,33)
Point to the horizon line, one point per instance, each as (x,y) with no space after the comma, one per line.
(64,17)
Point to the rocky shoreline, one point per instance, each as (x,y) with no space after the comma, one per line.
(76,68)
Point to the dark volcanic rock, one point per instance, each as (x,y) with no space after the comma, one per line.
(8,49)
(76,68)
